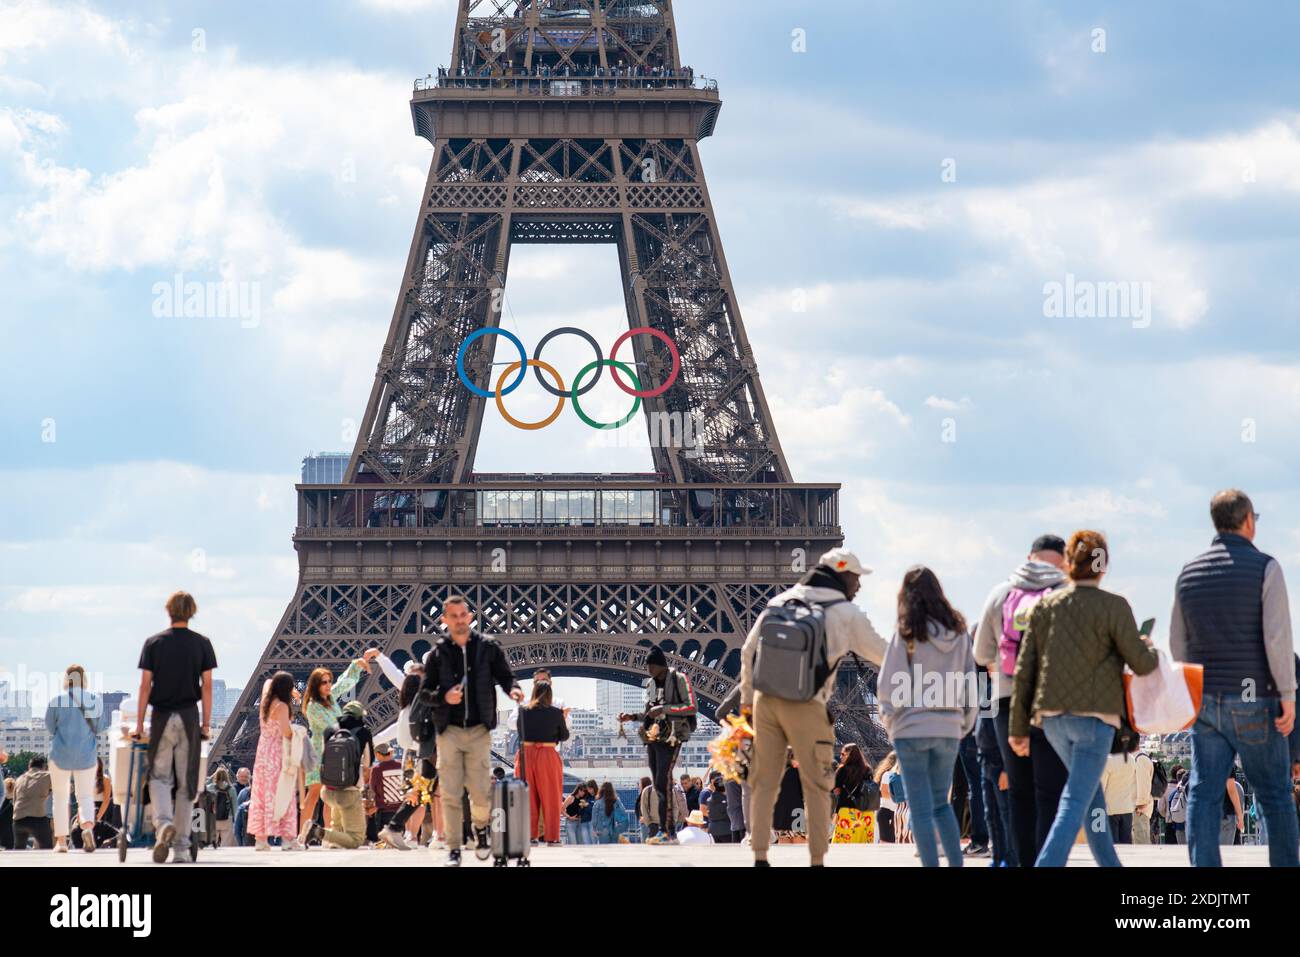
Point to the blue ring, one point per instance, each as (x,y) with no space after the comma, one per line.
(488,331)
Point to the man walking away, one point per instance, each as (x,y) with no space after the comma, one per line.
(460,674)
(805,725)
(1231,616)
(1034,783)
(175,674)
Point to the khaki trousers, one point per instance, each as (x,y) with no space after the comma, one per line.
(348,820)
(805,727)
(1141,828)
(464,762)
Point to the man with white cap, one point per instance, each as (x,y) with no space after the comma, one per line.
(805,726)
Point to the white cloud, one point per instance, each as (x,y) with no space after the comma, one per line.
(948,405)
(1108,218)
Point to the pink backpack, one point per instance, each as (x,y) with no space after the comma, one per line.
(1015,618)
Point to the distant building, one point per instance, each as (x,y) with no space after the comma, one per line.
(15,705)
(325,468)
(615,697)
(582,720)
(113,700)
(232,700)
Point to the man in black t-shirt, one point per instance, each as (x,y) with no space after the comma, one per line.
(175,674)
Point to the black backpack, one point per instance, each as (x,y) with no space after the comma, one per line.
(1159,780)
(420,718)
(340,765)
(221,807)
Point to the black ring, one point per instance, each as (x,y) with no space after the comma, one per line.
(537,354)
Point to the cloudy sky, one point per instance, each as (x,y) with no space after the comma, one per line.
(898,202)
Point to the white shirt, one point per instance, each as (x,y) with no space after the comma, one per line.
(691,834)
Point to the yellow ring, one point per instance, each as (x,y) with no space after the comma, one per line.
(530,426)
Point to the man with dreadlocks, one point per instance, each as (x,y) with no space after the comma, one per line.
(802,721)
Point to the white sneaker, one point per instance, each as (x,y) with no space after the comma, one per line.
(395,838)
(292,846)
(261,846)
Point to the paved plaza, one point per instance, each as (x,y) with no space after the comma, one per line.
(600,855)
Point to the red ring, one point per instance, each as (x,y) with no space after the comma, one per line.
(672,349)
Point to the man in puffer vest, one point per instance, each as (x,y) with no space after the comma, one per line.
(1231,616)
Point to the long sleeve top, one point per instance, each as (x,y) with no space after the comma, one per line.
(74,720)
(321,717)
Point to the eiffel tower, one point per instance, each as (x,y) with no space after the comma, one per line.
(559,121)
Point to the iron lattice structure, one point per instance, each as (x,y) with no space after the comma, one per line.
(559,121)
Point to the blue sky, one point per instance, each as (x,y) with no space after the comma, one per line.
(278,151)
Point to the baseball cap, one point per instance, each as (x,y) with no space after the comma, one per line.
(843,560)
(354,709)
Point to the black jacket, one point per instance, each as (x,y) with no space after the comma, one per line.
(444,667)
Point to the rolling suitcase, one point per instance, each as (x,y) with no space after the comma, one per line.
(511,818)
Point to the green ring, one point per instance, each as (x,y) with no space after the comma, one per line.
(577,381)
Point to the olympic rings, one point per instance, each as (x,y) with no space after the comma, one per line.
(537,354)
(672,350)
(558,390)
(538,365)
(578,408)
(489,331)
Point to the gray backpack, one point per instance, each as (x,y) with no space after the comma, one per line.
(791,660)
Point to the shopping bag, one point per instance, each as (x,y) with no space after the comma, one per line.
(1166,700)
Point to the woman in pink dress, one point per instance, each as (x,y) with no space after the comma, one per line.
(277,701)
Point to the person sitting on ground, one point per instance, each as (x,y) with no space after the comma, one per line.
(348,819)
(31,806)
(696,830)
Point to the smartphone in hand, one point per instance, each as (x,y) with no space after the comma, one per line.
(1147,628)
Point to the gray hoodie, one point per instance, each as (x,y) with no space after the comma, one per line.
(933,695)
(1031,576)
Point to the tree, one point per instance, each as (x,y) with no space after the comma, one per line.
(17,763)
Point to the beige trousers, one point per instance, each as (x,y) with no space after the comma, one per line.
(805,727)
(464,763)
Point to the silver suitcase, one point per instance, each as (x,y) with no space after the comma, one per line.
(510,822)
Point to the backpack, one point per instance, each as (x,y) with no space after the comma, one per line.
(221,806)
(1159,780)
(420,719)
(791,660)
(1178,804)
(340,765)
(1015,619)
(864,797)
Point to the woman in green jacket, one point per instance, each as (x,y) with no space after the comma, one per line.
(1069,680)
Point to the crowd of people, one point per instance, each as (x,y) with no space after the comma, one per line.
(1010,732)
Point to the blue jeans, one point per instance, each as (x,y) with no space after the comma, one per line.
(968,752)
(1083,745)
(582,832)
(1228,726)
(927,765)
(997,803)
